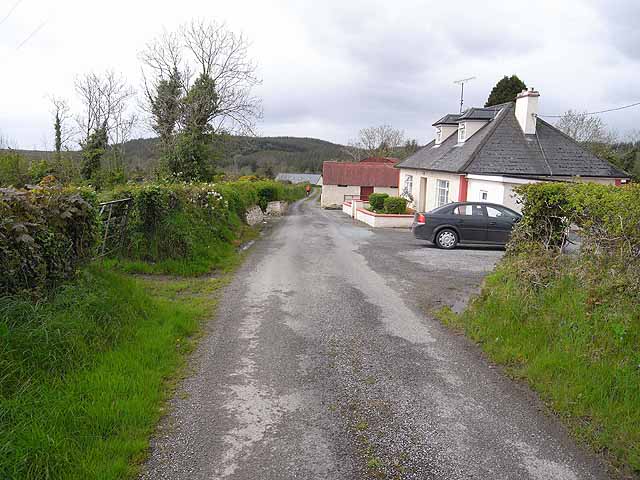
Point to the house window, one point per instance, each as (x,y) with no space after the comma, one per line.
(461,132)
(442,193)
(484,195)
(438,134)
(343,185)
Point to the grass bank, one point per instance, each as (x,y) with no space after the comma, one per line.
(84,373)
(576,343)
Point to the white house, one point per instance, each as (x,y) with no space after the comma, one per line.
(483,153)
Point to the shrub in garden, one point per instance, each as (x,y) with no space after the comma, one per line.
(45,234)
(376,201)
(396,205)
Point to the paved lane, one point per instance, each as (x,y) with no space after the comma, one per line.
(324,363)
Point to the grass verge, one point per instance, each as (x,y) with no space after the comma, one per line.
(83,375)
(576,346)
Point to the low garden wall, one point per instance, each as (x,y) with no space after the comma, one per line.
(356,209)
(384,220)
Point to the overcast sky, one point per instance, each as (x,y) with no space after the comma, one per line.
(331,67)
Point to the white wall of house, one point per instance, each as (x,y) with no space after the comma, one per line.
(425,192)
(485,191)
(500,189)
(333,195)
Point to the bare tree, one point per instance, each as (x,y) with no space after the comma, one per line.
(214,71)
(381,141)
(585,128)
(105,103)
(64,131)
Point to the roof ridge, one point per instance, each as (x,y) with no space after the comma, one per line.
(497,120)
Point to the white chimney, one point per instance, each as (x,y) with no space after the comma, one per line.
(527,110)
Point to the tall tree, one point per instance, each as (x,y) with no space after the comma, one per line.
(505,90)
(199,85)
(381,141)
(63,132)
(92,152)
(585,128)
(57,127)
(105,119)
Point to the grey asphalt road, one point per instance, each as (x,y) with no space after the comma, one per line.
(325,362)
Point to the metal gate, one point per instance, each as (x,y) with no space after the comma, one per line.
(114,216)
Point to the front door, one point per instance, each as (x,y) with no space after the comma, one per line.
(365,192)
(422,195)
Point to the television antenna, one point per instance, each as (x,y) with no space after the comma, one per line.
(461,82)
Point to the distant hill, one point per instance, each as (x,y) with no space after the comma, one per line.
(241,154)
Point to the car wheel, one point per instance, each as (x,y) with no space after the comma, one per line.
(446,239)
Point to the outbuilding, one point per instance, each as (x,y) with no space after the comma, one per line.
(344,181)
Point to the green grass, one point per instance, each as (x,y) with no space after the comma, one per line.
(207,251)
(577,346)
(83,375)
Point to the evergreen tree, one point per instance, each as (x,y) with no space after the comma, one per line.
(505,90)
(57,126)
(165,108)
(93,151)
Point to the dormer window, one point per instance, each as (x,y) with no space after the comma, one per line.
(462,132)
(438,135)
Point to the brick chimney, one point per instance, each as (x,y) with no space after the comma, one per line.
(527,110)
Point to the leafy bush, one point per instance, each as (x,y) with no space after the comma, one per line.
(608,217)
(396,205)
(14,169)
(376,201)
(268,192)
(194,222)
(45,234)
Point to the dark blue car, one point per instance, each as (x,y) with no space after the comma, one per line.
(465,223)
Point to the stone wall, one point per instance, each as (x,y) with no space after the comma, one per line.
(254,215)
(276,209)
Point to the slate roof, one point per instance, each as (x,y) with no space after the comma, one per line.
(479,114)
(501,148)
(367,174)
(448,119)
(312,178)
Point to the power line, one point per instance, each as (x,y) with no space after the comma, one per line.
(596,113)
(15,5)
(38,28)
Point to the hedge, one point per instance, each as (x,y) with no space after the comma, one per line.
(376,201)
(395,205)
(45,233)
(607,216)
(181,220)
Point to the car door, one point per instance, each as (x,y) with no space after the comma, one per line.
(471,221)
(499,225)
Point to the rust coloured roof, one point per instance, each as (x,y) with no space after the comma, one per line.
(364,174)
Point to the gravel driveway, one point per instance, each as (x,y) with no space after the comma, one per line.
(324,362)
